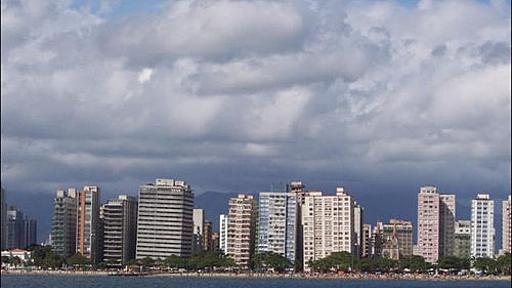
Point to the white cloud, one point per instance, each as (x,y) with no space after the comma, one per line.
(270,88)
(145,75)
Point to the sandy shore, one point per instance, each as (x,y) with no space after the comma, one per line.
(351,276)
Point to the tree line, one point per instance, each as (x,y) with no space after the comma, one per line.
(44,257)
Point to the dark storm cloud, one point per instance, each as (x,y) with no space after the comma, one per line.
(236,95)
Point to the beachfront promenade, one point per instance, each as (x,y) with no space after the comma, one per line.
(348,276)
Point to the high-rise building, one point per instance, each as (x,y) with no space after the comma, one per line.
(399,231)
(241,229)
(215,242)
(3,227)
(482,226)
(358,230)
(88,224)
(277,223)
(207,237)
(119,219)
(366,240)
(462,239)
(15,228)
(446,224)
(165,224)
(436,222)
(328,225)
(506,231)
(64,229)
(223,233)
(198,237)
(29,232)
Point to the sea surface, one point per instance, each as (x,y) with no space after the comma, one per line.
(25,281)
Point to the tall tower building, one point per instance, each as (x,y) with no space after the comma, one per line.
(88,224)
(223,233)
(242,229)
(119,218)
(198,237)
(64,222)
(207,237)
(366,240)
(15,228)
(436,222)
(277,223)
(447,224)
(358,230)
(506,231)
(328,223)
(482,226)
(462,239)
(165,224)
(3,227)
(29,232)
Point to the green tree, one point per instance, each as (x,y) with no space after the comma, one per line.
(504,263)
(452,263)
(486,265)
(270,260)
(147,261)
(174,261)
(77,260)
(414,263)
(44,257)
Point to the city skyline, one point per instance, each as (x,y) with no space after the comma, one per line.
(380,97)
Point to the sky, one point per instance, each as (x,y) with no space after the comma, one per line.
(380,97)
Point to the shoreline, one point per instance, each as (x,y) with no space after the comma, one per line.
(353,276)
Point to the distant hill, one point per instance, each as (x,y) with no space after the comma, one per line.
(214,203)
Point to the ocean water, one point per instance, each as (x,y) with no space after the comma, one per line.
(25,281)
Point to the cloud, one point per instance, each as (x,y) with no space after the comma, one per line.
(239,94)
(145,75)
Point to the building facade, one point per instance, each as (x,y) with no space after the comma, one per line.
(277,223)
(506,230)
(15,228)
(241,229)
(482,226)
(64,222)
(446,224)
(358,230)
(367,238)
(198,237)
(119,219)
(88,224)
(436,222)
(29,232)
(165,224)
(328,225)
(401,230)
(462,239)
(223,233)
(3,224)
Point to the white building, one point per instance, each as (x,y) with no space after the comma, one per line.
(482,226)
(24,255)
(277,223)
(223,237)
(198,219)
(358,230)
(164,224)
(328,223)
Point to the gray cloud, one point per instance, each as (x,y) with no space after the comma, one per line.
(235,95)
